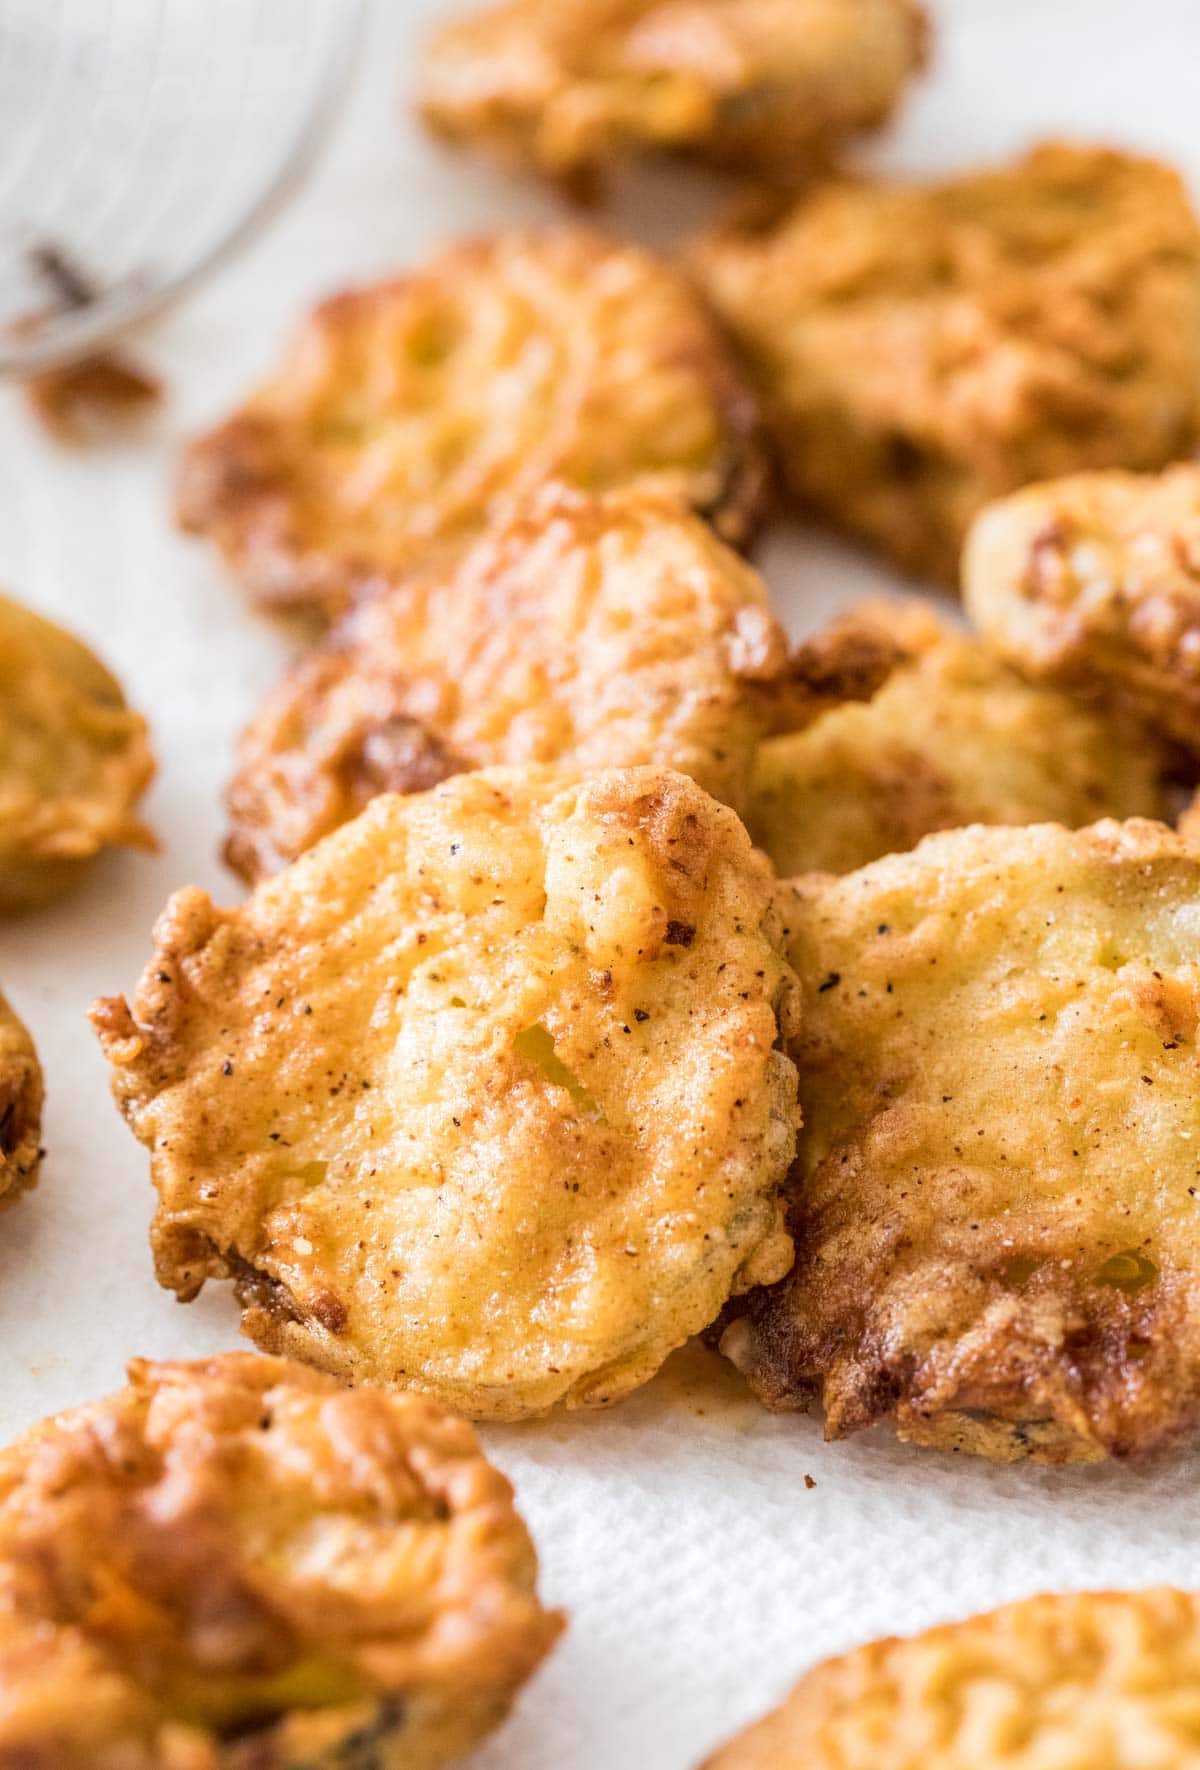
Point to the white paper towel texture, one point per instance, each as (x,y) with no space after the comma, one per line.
(700,1573)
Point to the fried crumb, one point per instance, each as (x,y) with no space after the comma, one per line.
(88,400)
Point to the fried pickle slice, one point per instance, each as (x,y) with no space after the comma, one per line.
(922,349)
(568,88)
(74,760)
(235,1564)
(406,413)
(21,1096)
(953,737)
(582,631)
(995,1205)
(1093,583)
(482,1096)
(1106,1680)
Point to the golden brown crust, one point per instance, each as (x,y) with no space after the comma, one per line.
(568,88)
(21,1096)
(482,1095)
(1087,1681)
(995,1206)
(406,414)
(75,760)
(1093,582)
(923,349)
(235,1564)
(953,736)
(584,632)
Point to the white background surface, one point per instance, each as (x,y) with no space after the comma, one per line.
(699,1572)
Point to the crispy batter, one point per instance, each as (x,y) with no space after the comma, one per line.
(21,1096)
(1090,1681)
(407,413)
(1094,582)
(921,349)
(74,760)
(583,631)
(954,737)
(481,1096)
(235,1564)
(996,1204)
(570,87)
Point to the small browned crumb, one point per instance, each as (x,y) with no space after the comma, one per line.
(483,1096)
(74,760)
(921,349)
(953,736)
(995,1205)
(21,1096)
(235,1564)
(1093,583)
(569,88)
(848,661)
(1106,1680)
(89,399)
(407,415)
(581,631)
(809,1483)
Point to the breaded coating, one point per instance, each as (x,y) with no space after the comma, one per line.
(1089,1681)
(568,88)
(954,737)
(235,1564)
(406,414)
(21,1096)
(481,1096)
(1093,582)
(996,1204)
(582,631)
(74,760)
(921,349)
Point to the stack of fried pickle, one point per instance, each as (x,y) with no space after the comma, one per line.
(616,969)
